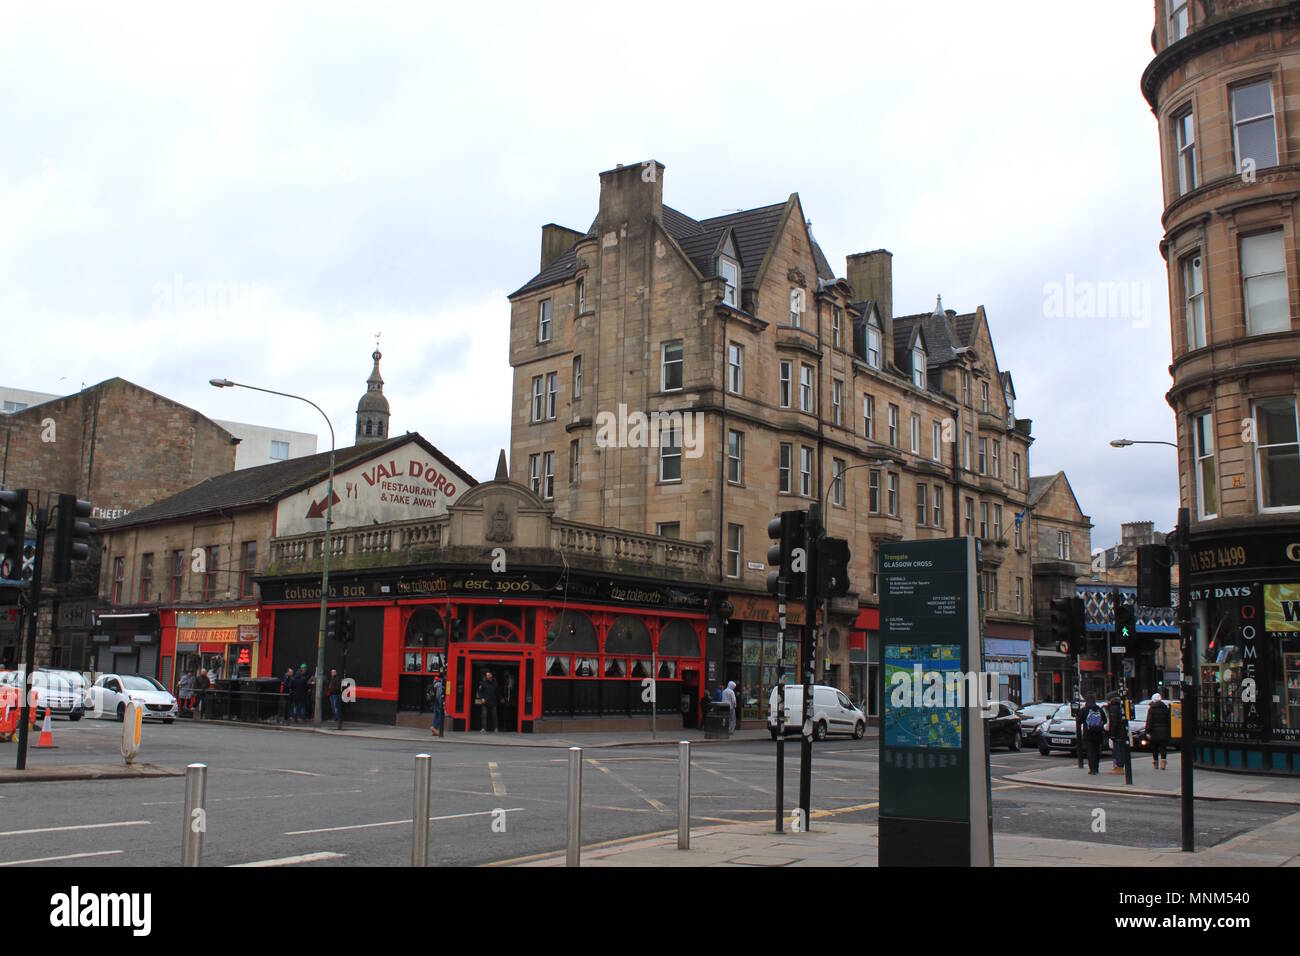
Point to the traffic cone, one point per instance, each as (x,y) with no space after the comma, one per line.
(47,735)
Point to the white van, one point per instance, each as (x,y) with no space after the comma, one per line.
(833,713)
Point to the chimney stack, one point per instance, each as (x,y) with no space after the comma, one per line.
(556,241)
(872,276)
(631,194)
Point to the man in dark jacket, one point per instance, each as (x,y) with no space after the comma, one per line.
(301,694)
(201,685)
(286,688)
(335,691)
(1117,727)
(1091,730)
(488,693)
(1159,730)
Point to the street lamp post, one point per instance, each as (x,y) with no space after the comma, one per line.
(325,562)
(1187,639)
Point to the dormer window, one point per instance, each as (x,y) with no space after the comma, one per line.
(730,271)
(918,367)
(873,343)
(796,306)
(1011,406)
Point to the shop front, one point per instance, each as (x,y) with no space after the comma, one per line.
(751,651)
(124,642)
(222,641)
(864,662)
(567,650)
(1007,653)
(1245,602)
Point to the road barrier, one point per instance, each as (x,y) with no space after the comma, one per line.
(420,819)
(574,857)
(684,795)
(196,814)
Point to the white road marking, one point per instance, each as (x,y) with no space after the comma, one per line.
(629,785)
(82,826)
(398,823)
(69,856)
(291,860)
(263,796)
(725,776)
(301,773)
(498,785)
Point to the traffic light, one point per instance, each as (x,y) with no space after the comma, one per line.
(332,624)
(1125,626)
(348,630)
(1154,562)
(1061,619)
(788,557)
(832,567)
(13,530)
(1078,625)
(71,535)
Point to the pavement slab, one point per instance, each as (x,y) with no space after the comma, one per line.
(87,772)
(1208,784)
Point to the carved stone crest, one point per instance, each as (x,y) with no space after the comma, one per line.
(499,527)
(797,277)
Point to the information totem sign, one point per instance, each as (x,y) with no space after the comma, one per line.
(935,802)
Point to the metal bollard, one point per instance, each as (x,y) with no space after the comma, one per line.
(684,795)
(196,814)
(575,807)
(420,819)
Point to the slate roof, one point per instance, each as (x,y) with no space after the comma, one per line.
(754,230)
(1038,486)
(938,340)
(250,487)
(965,325)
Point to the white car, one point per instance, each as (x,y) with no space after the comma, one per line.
(62,691)
(112,691)
(833,713)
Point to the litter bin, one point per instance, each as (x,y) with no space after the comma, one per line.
(716,718)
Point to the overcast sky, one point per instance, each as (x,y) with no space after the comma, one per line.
(331,172)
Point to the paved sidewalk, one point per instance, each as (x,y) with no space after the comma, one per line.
(115,771)
(831,843)
(1147,781)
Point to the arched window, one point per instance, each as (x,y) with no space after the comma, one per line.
(496,630)
(573,631)
(628,635)
(379,428)
(368,426)
(425,629)
(796,306)
(678,639)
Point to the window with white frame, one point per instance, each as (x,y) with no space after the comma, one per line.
(837,320)
(1017,534)
(730,272)
(672,366)
(539,399)
(997,522)
(1254,133)
(1063,545)
(1277,454)
(1020,595)
(670,452)
(544,321)
(916,434)
(937,498)
(735,457)
(735,544)
(970,516)
(1194,301)
(577,377)
(1207,483)
(805,471)
(983,458)
(280,450)
(582,295)
(965,387)
(1185,137)
(922,504)
(787,372)
(735,368)
(984,396)
(796,307)
(837,481)
(535,474)
(784,464)
(997,463)
(936,441)
(548,475)
(575,464)
(1177,20)
(918,367)
(1263,276)
(965,451)
(1015,469)
(891,484)
(868,413)
(873,344)
(806,388)
(873,492)
(552,394)
(984,519)
(669,529)
(837,402)
(893,426)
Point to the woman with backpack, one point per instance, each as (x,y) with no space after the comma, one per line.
(1092,731)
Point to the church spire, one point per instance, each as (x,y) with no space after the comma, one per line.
(372,410)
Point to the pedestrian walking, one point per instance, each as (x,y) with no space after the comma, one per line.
(1159,730)
(729,698)
(488,696)
(439,702)
(185,692)
(335,691)
(299,691)
(1117,728)
(286,688)
(1091,732)
(201,686)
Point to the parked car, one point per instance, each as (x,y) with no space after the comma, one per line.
(112,691)
(1061,732)
(62,691)
(833,713)
(1004,727)
(1032,719)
